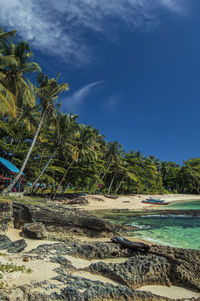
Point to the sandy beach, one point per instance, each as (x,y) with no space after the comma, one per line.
(44,270)
(131,202)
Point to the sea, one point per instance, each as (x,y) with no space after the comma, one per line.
(180,230)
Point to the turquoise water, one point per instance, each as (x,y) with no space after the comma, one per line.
(176,230)
(183,205)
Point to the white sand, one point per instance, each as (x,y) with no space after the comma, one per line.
(43,269)
(132,202)
(14,234)
(174,292)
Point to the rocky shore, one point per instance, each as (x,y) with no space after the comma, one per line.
(61,253)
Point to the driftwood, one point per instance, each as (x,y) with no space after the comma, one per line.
(145,248)
(135,246)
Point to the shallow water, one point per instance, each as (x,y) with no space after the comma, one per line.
(176,230)
(183,205)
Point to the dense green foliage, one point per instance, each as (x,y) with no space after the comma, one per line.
(57,152)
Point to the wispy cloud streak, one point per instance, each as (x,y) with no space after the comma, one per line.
(58,27)
(74,101)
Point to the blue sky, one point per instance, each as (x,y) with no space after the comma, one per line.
(133,66)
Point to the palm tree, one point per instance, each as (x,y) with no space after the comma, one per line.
(47,93)
(16,65)
(83,147)
(7,104)
(125,171)
(61,135)
(113,153)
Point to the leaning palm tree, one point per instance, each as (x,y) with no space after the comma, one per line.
(66,126)
(47,93)
(114,151)
(82,147)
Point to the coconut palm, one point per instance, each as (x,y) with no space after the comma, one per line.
(61,134)
(15,66)
(47,93)
(114,151)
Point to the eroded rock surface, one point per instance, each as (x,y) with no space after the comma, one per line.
(6,214)
(82,289)
(139,269)
(34,230)
(54,215)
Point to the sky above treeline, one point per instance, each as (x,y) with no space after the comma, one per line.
(133,66)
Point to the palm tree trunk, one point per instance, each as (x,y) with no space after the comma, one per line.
(112,182)
(62,179)
(119,184)
(41,173)
(64,188)
(9,188)
(106,171)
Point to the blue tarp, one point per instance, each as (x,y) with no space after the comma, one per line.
(9,165)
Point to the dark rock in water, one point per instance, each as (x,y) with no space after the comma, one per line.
(54,214)
(17,246)
(35,230)
(4,242)
(6,214)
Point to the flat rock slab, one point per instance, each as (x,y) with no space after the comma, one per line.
(35,230)
(17,246)
(4,242)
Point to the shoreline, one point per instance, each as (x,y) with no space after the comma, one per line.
(46,270)
(131,202)
(46,263)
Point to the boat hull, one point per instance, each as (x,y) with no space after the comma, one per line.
(155,203)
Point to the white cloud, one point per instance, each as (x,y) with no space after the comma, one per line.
(58,27)
(74,101)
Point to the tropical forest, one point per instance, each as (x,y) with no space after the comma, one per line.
(57,153)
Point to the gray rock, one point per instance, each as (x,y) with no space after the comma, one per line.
(4,242)
(59,215)
(17,246)
(136,271)
(6,214)
(82,289)
(35,230)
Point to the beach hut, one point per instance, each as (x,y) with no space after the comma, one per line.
(7,174)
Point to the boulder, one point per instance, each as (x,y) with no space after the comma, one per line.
(6,214)
(17,246)
(4,242)
(35,230)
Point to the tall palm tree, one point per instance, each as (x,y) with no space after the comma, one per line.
(113,153)
(81,148)
(47,93)
(125,171)
(61,135)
